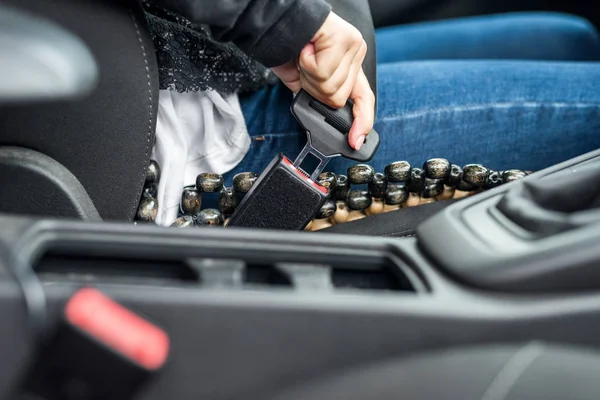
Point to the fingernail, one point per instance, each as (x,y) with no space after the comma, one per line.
(360,141)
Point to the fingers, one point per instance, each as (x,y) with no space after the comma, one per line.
(364,111)
(329,64)
(289,75)
(336,91)
(321,58)
(341,96)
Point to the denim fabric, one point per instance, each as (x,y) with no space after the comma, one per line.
(508,91)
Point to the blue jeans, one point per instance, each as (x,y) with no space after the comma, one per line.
(508,91)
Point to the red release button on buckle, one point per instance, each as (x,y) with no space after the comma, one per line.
(118,328)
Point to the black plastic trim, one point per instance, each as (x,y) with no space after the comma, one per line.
(36,184)
(270,247)
(230,343)
(475,244)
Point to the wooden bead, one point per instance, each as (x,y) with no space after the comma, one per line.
(494,180)
(319,224)
(415,186)
(227,201)
(396,194)
(327,210)
(378,186)
(398,171)
(191,201)
(328,180)
(152,173)
(150,191)
(387,208)
(512,175)
(459,194)
(147,209)
(377,207)
(342,188)
(463,189)
(432,188)
(360,174)
(210,216)
(358,202)
(447,194)
(355,215)
(308,227)
(322,219)
(437,168)
(455,176)
(242,182)
(417,181)
(209,183)
(185,221)
(341,213)
(475,174)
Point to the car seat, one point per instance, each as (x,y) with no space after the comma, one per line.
(87,157)
(82,157)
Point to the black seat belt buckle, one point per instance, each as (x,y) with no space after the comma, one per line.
(283,198)
(287,197)
(99,350)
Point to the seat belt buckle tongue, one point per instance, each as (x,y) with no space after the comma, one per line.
(327,132)
(99,350)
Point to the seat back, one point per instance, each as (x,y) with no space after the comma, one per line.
(104,138)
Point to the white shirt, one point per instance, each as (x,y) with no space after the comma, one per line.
(195,132)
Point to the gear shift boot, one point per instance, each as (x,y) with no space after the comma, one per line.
(549,206)
(536,235)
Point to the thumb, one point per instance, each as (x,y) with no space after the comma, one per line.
(363,110)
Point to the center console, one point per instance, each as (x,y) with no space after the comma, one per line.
(250,312)
(539,236)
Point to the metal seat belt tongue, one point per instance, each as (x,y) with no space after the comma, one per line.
(323,161)
(327,132)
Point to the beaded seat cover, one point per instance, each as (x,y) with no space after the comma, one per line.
(360,193)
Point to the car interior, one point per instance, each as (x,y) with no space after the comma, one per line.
(494,296)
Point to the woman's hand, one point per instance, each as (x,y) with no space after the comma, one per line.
(330,69)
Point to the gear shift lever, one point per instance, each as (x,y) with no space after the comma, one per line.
(550,206)
(538,235)
(41,61)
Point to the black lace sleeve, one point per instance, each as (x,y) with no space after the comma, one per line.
(189,59)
